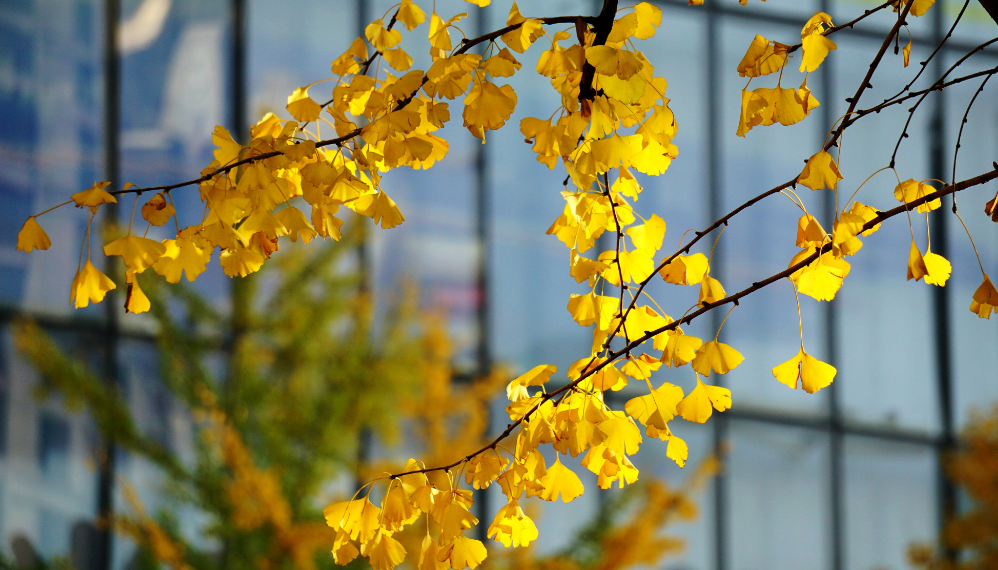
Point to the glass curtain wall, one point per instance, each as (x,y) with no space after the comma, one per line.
(845,479)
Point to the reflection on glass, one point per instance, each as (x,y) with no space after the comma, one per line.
(778,491)
(889,501)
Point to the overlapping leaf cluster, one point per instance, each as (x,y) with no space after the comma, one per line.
(612,127)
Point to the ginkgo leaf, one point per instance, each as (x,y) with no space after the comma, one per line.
(649,17)
(686,269)
(920,7)
(916,263)
(649,235)
(620,434)
(296,224)
(380,207)
(240,261)
(820,172)
(463,553)
(985,299)
(383,551)
(456,519)
(812,373)
(640,368)
(512,527)
(381,37)
(711,291)
(482,470)
(938,269)
(677,451)
(809,232)
(536,376)
(680,349)
(32,236)
(560,480)
(525,35)
(911,190)
(699,404)
(157,211)
(89,285)
(762,58)
(138,253)
(822,278)
(302,107)
(716,357)
(429,550)
(410,15)
(656,409)
(488,107)
(396,512)
(814,45)
(136,300)
(94,197)
(612,61)
(182,256)
(593,308)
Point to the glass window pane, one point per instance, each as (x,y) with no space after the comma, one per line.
(760,241)
(972,340)
(174,78)
(778,491)
(890,501)
(50,142)
(887,365)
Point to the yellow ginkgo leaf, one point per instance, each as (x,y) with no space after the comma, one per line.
(677,451)
(383,551)
(716,357)
(410,15)
(686,269)
(612,61)
(380,207)
(711,291)
(911,190)
(521,38)
(488,107)
(380,37)
(560,480)
(619,434)
(536,376)
(135,299)
(679,349)
(814,44)
(985,299)
(593,308)
(512,527)
(920,7)
(938,269)
(296,224)
(812,373)
(463,553)
(358,518)
(483,469)
(240,261)
(302,107)
(656,409)
(762,58)
(820,172)
(699,404)
(649,235)
(640,368)
(809,232)
(182,256)
(398,59)
(32,236)
(916,263)
(93,197)
(138,253)
(396,512)
(157,211)
(89,285)
(649,17)
(822,278)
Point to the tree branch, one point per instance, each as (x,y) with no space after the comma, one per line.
(730,299)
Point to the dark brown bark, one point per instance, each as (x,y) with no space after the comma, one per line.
(602,27)
(992,7)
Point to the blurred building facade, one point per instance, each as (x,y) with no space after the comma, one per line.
(845,479)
